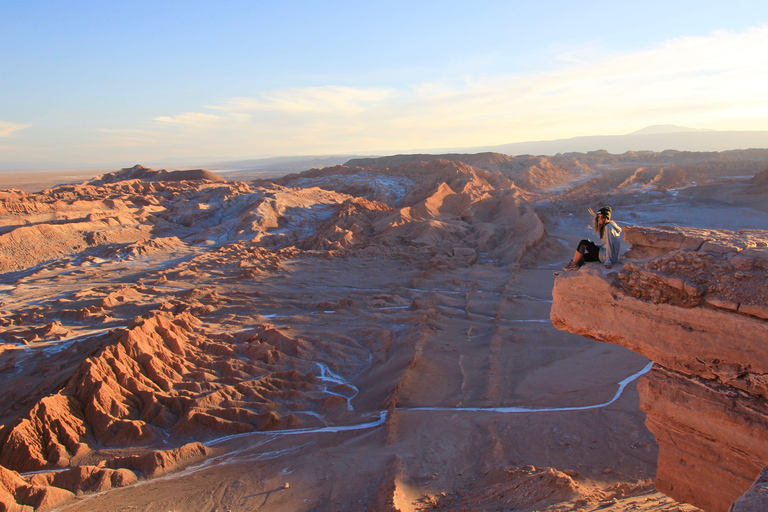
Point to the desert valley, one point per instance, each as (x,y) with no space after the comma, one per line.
(388,334)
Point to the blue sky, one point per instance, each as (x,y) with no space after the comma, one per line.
(99,83)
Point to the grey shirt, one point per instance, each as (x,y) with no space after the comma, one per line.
(609,252)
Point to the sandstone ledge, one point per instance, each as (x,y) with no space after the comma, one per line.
(706,342)
(695,302)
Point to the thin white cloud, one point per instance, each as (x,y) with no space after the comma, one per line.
(133,137)
(6,129)
(715,81)
(315,100)
(189,119)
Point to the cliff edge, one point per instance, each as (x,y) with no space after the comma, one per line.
(695,302)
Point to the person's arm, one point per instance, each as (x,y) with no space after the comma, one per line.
(610,243)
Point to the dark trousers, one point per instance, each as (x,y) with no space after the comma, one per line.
(589,249)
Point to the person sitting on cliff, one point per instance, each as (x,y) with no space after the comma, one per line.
(609,233)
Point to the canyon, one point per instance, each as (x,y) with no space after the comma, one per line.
(379,336)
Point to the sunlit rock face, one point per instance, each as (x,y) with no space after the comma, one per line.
(695,302)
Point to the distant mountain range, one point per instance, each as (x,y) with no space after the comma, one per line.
(653,138)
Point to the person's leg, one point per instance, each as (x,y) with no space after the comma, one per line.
(585,251)
(589,250)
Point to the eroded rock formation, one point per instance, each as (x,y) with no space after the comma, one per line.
(694,301)
(166,376)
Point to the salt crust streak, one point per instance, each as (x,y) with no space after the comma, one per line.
(383,414)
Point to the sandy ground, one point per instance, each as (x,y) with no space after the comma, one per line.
(487,343)
(35,181)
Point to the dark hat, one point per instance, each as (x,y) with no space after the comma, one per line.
(606,211)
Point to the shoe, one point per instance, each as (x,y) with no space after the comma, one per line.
(571,266)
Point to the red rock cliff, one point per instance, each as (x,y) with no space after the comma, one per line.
(696,303)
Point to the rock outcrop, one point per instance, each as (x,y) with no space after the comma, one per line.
(160,376)
(695,302)
(139,172)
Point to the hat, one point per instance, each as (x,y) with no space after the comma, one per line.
(605,211)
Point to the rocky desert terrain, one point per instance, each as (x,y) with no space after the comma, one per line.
(382,336)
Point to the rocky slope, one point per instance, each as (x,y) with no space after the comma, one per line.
(630,172)
(695,302)
(162,349)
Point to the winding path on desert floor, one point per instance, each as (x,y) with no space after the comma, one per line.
(383,414)
(327,375)
(483,352)
(378,418)
(245,453)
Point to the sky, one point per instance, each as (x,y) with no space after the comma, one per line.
(108,83)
